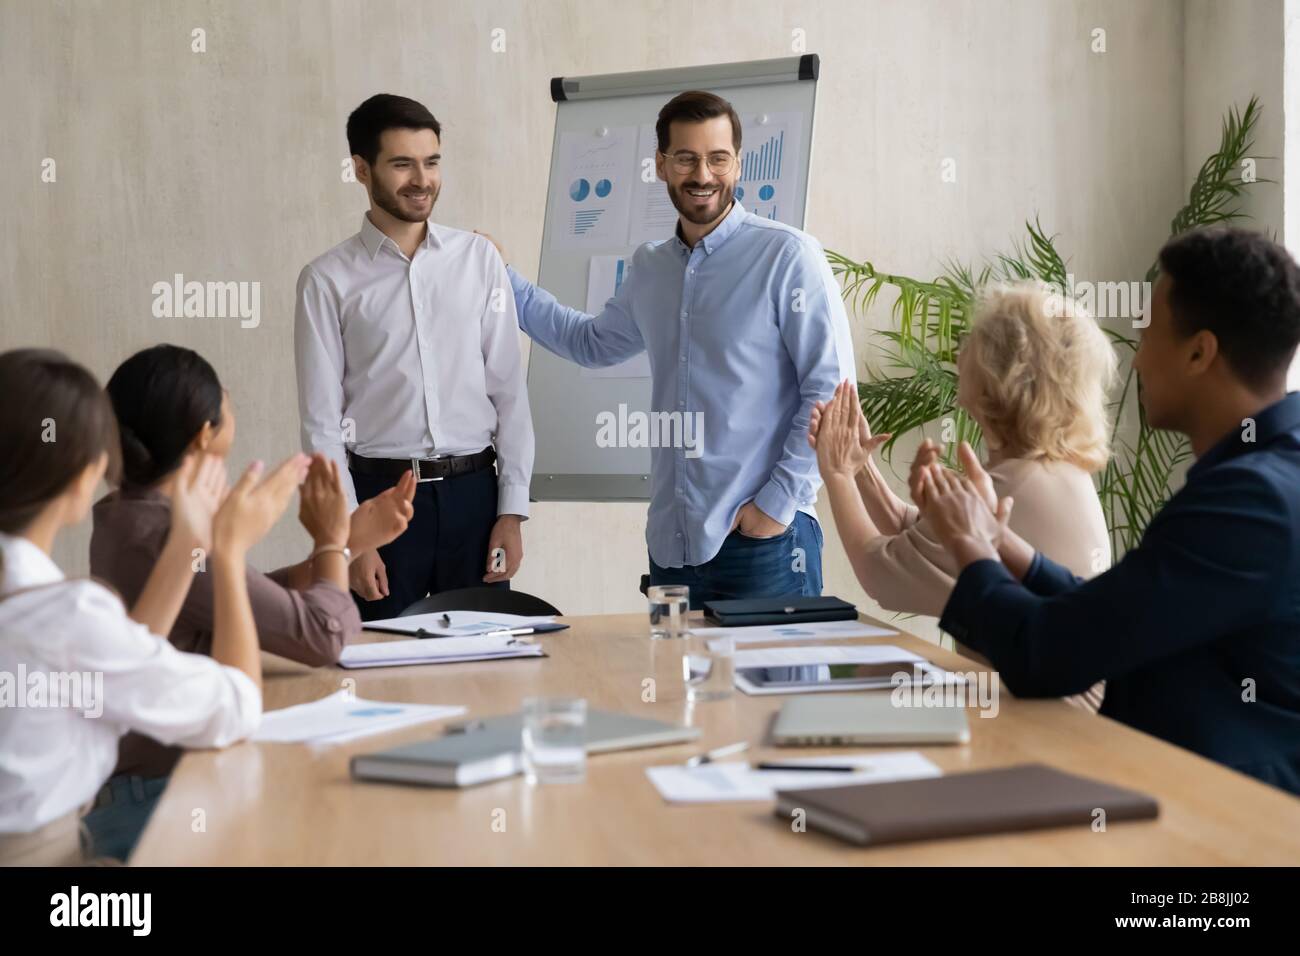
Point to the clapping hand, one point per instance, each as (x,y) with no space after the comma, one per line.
(252,506)
(200,487)
(380,519)
(839,433)
(958,511)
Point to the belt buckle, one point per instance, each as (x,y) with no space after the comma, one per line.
(415,470)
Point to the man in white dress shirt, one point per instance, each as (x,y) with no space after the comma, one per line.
(407,350)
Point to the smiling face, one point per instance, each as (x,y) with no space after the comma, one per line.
(700,194)
(406,176)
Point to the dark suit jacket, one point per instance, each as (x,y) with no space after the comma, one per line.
(1196,631)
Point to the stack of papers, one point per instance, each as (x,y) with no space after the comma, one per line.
(723,782)
(342,716)
(437,650)
(790,633)
(458,623)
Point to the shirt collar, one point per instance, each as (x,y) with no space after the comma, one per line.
(373,238)
(721,233)
(1278,419)
(25,565)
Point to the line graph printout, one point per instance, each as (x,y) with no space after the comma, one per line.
(591,208)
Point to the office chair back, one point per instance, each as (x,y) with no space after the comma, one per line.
(497,600)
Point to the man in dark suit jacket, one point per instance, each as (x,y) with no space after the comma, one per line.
(1197,630)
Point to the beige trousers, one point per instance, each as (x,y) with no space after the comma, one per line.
(58,843)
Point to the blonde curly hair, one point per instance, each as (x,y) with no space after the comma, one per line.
(1044,370)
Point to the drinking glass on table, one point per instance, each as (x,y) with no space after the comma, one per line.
(669,605)
(708,667)
(555,739)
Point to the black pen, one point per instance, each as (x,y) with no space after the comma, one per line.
(807,766)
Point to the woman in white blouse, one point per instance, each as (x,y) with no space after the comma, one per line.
(1034,372)
(77,671)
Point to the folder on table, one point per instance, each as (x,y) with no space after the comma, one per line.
(1024,797)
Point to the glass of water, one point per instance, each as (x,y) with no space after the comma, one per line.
(708,667)
(555,739)
(669,605)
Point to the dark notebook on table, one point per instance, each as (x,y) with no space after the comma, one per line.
(1025,797)
(792,609)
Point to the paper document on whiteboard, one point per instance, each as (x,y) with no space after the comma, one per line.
(604,277)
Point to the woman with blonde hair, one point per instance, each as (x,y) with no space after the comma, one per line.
(1034,372)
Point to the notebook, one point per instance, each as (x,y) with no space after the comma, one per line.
(1023,797)
(865,719)
(490,749)
(439,650)
(464,623)
(779,610)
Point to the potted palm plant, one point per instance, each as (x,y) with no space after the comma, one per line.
(915,384)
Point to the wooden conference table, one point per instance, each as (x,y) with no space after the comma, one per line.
(285,804)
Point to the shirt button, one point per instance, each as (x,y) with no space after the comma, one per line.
(683,315)
(334,624)
(679,534)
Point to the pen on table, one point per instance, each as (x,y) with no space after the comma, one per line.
(828,768)
(712,755)
(508,632)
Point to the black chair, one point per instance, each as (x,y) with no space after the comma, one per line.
(499,600)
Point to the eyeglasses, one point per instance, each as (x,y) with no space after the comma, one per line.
(719,163)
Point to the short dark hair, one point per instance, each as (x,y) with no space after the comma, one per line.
(385,111)
(695,106)
(162,398)
(54,421)
(1244,288)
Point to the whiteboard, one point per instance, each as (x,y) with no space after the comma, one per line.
(599,207)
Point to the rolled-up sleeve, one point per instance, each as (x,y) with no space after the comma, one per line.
(149,686)
(815,331)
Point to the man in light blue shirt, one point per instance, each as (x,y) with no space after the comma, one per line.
(745,329)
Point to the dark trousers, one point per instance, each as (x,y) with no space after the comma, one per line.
(445,546)
(790,563)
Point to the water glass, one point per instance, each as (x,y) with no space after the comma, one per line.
(669,605)
(708,667)
(555,739)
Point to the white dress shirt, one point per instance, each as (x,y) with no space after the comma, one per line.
(53,758)
(411,358)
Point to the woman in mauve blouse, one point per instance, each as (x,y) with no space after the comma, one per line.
(169,403)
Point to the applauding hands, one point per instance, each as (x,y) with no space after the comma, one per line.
(963,510)
(198,492)
(254,504)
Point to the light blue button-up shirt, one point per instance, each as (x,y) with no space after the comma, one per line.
(748,328)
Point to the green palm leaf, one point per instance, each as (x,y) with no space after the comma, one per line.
(915,382)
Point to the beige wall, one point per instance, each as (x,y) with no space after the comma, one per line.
(225,165)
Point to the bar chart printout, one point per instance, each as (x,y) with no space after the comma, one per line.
(766,182)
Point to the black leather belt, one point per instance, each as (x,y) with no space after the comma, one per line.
(424,469)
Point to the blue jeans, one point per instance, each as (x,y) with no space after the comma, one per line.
(115,826)
(790,563)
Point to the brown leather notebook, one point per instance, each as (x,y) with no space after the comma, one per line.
(1024,797)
